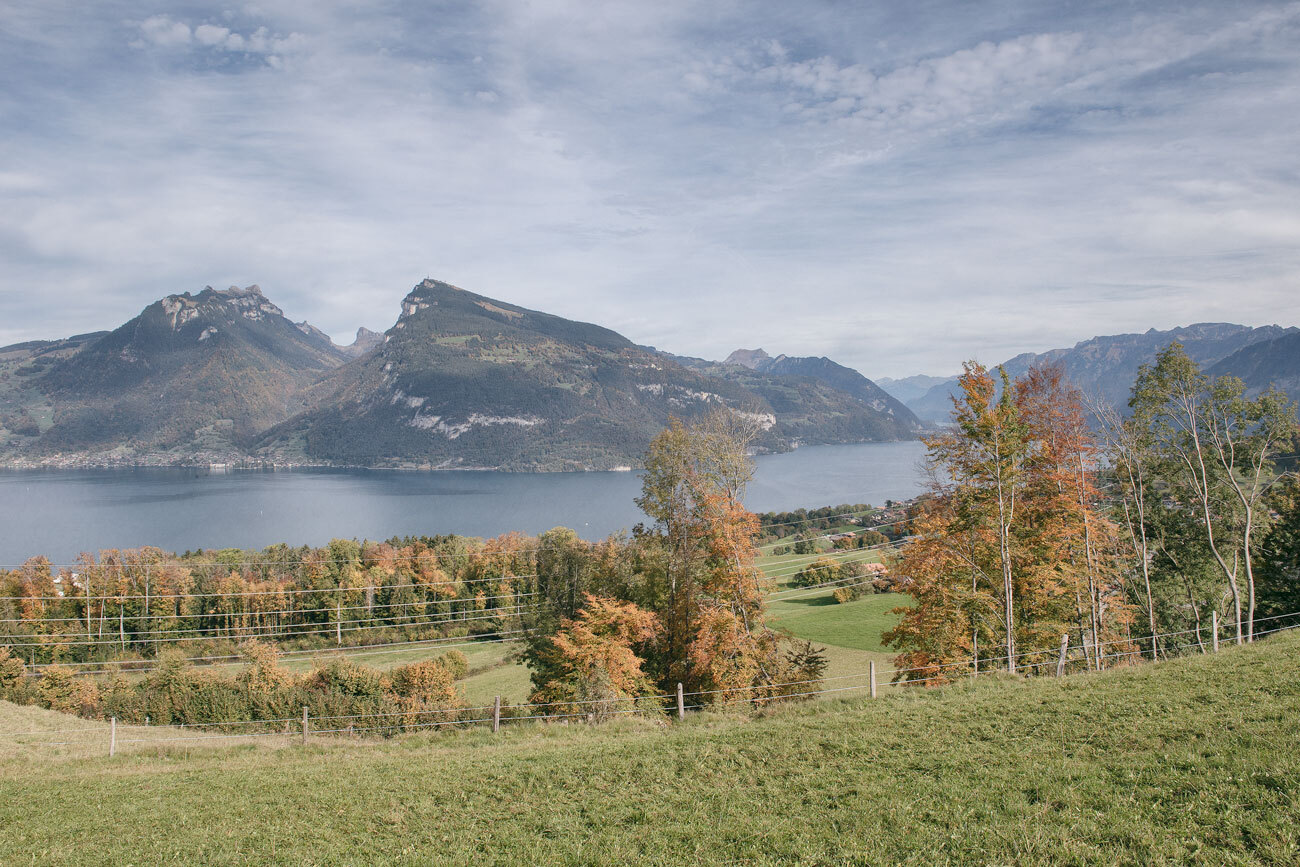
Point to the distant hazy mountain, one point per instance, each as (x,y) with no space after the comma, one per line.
(365,341)
(911,387)
(1273,362)
(191,375)
(464,380)
(837,376)
(1107,366)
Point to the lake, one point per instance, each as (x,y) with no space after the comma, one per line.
(60,513)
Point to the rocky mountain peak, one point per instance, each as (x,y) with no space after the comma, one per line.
(750,358)
(365,341)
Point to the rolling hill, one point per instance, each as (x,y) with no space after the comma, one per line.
(1188,761)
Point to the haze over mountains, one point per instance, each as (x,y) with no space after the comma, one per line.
(1107,366)
(460,380)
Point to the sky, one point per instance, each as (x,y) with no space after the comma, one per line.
(897,185)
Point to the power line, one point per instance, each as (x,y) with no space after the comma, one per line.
(251,632)
(448,600)
(282,591)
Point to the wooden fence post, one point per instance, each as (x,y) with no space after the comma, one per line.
(681,702)
(1214,629)
(872,668)
(1060,660)
(496,715)
(304,726)
(112,737)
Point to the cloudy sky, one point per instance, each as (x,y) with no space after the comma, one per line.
(898,185)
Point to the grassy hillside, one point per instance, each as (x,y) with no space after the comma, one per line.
(1191,761)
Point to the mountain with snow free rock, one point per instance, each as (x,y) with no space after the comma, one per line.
(193,377)
(822,369)
(460,380)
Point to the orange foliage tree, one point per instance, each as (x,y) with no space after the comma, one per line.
(593,660)
(1010,548)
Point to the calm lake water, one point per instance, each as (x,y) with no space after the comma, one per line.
(60,513)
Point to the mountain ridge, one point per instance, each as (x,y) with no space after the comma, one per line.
(459,380)
(1106,366)
(463,380)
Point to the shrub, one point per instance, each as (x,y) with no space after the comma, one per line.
(11,672)
(60,689)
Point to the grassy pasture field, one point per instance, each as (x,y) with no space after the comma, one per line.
(1192,761)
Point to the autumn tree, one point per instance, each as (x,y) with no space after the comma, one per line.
(593,659)
(1009,548)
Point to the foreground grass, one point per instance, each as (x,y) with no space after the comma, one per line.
(1188,762)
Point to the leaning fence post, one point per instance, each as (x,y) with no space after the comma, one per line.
(681,702)
(1060,660)
(1214,630)
(304,726)
(872,667)
(112,736)
(496,715)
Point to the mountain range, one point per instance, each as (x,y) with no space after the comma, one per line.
(1106,367)
(465,381)
(460,380)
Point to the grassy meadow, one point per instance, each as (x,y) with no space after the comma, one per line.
(1186,762)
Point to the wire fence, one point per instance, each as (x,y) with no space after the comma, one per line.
(149,632)
(660,706)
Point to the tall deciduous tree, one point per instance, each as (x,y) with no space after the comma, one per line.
(1010,532)
(1216,450)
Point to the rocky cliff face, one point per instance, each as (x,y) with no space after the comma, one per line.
(365,341)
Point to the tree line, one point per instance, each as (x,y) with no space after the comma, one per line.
(1048,514)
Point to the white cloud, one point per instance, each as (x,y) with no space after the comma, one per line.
(162,30)
(896,187)
(211,34)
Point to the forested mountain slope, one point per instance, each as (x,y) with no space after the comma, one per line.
(460,380)
(191,375)
(837,376)
(1273,362)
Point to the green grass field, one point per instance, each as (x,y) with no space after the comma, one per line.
(1192,761)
